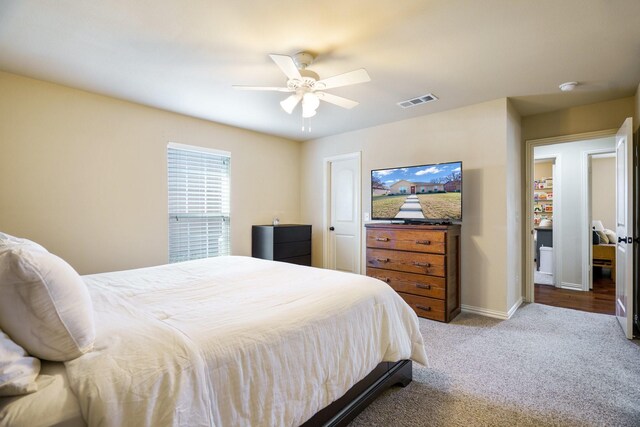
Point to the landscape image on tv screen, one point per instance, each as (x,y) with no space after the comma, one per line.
(427,192)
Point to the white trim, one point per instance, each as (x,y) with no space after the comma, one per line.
(557,221)
(326,207)
(528,223)
(573,138)
(496,314)
(514,307)
(502,315)
(572,286)
(527,227)
(198,148)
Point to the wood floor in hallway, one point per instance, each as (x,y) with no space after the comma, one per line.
(601,299)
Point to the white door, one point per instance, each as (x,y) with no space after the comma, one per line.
(624,227)
(343,221)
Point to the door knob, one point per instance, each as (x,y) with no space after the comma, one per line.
(331,228)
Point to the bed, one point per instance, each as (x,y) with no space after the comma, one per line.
(229,341)
(604,256)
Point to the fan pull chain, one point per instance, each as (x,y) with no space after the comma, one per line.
(306,127)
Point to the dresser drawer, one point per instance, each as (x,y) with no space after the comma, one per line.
(291,233)
(300,260)
(291,249)
(407,240)
(426,307)
(410,262)
(411,283)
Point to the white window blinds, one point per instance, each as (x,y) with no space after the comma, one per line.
(199,202)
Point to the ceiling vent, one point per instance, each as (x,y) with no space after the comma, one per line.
(417,101)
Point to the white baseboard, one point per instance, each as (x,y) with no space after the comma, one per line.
(502,315)
(514,307)
(485,312)
(573,286)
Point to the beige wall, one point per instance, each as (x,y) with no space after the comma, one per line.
(85,175)
(543,170)
(585,118)
(603,191)
(515,205)
(477,136)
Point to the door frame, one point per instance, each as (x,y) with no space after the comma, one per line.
(587,187)
(527,230)
(326,205)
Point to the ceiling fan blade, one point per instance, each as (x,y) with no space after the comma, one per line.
(271,88)
(290,103)
(287,65)
(336,100)
(350,78)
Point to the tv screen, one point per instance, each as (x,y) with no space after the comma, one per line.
(429,193)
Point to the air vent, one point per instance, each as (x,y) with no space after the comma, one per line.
(417,101)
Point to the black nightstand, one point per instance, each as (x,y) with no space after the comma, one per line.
(284,242)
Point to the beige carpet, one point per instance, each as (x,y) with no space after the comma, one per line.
(546,366)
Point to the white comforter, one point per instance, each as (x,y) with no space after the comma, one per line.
(234,341)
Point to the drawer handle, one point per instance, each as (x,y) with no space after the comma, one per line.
(385,279)
(382,239)
(424,308)
(423,242)
(421,286)
(382,259)
(421,264)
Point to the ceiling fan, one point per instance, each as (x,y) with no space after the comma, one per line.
(305,86)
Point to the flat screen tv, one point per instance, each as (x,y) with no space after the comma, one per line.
(424,193)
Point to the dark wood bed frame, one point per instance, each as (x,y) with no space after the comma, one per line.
(358,397)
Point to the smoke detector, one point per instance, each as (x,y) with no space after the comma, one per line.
(568,86)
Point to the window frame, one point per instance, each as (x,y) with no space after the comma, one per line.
(183,249)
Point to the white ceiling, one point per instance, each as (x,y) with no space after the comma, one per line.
(183,56)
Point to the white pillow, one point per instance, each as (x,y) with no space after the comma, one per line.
(44,304)
(604,240)
(18,372)
(611,235)
(8,241)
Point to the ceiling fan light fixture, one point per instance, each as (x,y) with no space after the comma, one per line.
(290,103)
(303,83)
(310,103)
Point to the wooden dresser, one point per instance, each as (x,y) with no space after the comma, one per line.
(421,262)
(285,242)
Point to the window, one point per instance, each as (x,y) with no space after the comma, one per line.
(199,205)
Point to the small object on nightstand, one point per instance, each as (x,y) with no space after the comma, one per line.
(276,221)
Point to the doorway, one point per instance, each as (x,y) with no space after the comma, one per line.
(559,214)
(543,198)
(602,205)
